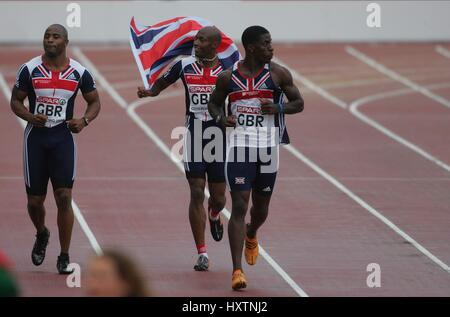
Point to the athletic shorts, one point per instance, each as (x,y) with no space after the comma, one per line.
(250,168)
(48,153)
(204,150)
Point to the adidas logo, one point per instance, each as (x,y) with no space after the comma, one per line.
(72,77)
(263,86)
(267,189)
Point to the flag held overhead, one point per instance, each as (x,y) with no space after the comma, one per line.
(156,47)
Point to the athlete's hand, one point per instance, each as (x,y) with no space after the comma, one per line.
(38,120)
(268,107)
(76,125)
(231,121)
(142,92)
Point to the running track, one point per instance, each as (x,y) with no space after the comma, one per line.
(365,180)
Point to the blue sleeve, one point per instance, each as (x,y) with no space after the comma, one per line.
(23,79)
(173,73)
(87,82)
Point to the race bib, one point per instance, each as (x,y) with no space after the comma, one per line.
(247,116)
(199,98)
(53,108)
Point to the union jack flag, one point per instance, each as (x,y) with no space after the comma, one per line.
(155,47)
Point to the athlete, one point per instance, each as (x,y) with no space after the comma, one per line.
(199,74)
(51,82)
(255,87)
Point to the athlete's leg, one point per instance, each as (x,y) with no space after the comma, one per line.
(236,225)
(36,175)
(240,172)
(261,193)
(197,214)
(63,198)
(61,165)
(36,211)
(217,199)
(258,212)
(36,181)
(258,215)
(216,203)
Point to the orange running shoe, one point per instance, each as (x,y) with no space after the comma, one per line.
(251,250)
(238,280)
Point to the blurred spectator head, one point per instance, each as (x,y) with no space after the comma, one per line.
(114,274)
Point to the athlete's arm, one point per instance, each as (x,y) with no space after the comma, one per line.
(160,84)
(19,93)
(163,82)
(93,108)
(217,100)
(17,106)
(282,76)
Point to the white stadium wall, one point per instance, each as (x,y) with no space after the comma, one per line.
(288,21)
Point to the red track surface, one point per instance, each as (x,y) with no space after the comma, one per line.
(133,197)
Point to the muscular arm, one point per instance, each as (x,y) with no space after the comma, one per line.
(171,76)
(17,106)
(93,105)
(218,97)
(160,84)
(93,108)
(283,78)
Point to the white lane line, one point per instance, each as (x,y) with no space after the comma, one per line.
(392,74)
(360,102)
(353,107)
(366,206)
(163,147)
(443,51)
(77,212)
(361,202)
(312,86)
(109,89)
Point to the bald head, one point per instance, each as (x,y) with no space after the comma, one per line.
(58,29)
(212,34)
(55,40)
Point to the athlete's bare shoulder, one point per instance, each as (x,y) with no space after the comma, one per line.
(281,74)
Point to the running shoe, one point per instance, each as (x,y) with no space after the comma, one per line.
(40,246)
(63,263)
(238,280)
(202,263)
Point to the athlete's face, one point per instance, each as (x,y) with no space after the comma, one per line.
(54,42)
(204,47)
(263,49)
